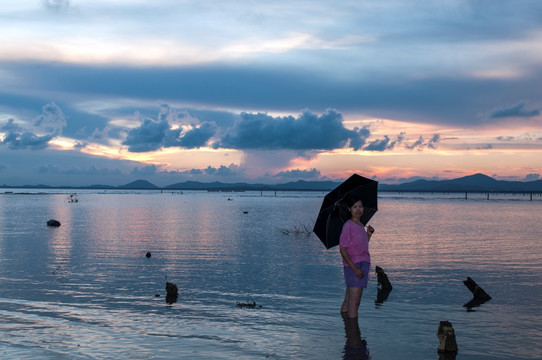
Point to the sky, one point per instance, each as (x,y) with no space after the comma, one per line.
(108,92)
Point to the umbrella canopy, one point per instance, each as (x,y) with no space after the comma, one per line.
(334,211)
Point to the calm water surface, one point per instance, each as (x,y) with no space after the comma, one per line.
(86,290)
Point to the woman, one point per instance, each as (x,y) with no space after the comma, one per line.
(354,244)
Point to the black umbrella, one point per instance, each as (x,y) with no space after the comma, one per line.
(334,211)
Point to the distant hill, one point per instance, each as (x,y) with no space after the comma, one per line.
(139,185)
(473,183)
(218,186)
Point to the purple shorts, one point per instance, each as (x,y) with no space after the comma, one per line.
(352,280)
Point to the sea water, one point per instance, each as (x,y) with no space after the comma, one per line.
(86,290)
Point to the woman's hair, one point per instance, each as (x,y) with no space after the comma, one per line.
(351,200)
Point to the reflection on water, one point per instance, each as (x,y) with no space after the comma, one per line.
(355,347)
(86,290)
(382,295)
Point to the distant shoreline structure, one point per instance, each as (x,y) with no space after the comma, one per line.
(477,183)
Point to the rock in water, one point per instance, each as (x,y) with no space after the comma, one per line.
(446,335)
(53,222)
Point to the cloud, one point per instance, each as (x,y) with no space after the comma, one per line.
(299,174)
(308,132)
(48,124)
(27,141)
(221,171)
(51,120)
(231,170)
(16,139)
(152,135)
(515,111)
(384,144)
(485,147)
(421,143)
(198,136)
(77,170)
(56,4)
(532,177)
(145,170)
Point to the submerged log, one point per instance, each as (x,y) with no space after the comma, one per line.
(446,336)
(248,305)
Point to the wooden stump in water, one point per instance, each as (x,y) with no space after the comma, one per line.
(172,293)
(446,335)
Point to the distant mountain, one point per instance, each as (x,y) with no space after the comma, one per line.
(473,183)
(308,185)
(218,186)
(139,185)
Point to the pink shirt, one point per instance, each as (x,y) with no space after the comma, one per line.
(354,238)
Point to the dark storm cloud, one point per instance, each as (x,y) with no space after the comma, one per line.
(453,100)
(48,124)
(27,141)
(515,111)
(152,135)
(198,136)
(17,139)
(307,132)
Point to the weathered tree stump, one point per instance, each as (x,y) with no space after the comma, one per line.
(53,222)
(172,293)
(446,336)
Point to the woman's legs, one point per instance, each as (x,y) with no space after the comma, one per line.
(344,307)
(352,299)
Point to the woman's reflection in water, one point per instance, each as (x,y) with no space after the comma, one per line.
(355,347)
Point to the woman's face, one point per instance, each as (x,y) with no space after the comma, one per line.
(357,209)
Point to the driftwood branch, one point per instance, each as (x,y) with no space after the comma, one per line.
(479,295)
(297,230)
